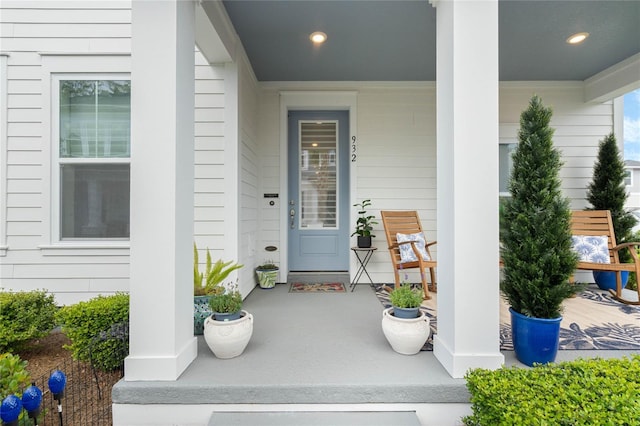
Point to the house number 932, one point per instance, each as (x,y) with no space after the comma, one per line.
(353,149)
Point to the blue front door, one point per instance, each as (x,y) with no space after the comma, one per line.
(318,191)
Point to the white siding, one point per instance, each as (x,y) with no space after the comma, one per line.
(396,149)
(32,32)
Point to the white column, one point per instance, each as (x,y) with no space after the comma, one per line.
(162,344)
(467,93)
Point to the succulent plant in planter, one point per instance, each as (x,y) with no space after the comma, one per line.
(206,284)
(364,225)
(226,306)
(267,274)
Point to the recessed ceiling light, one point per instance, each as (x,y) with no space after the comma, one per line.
(318,37)
(577,38)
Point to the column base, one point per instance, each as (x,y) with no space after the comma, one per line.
(457,364)
(164,368)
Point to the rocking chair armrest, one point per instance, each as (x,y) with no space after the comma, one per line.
(632,246)
(430,243)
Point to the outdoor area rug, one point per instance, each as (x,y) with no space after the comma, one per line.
(591,320)
(317,288)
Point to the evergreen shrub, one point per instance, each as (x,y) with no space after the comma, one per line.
(13,375)
(581,392)
(86,323)
(535,223)
(24,316)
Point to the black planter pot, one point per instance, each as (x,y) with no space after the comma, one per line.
(364,242)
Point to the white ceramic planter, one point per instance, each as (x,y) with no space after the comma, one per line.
(228,339)
(405,335)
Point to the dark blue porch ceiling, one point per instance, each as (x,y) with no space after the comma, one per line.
(395,40)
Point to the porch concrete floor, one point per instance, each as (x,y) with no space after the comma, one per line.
(318,348)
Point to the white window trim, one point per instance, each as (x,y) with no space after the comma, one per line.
(96,66)
(506,142)
(3,154)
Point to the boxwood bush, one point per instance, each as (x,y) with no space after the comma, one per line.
(13,375)
(25,315)
(89,324)
(581,392)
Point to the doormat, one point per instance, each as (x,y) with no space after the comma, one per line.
(590,321)
(317,288)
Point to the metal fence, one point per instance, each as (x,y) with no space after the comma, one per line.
(86,399)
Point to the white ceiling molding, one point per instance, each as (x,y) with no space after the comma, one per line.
(615,81)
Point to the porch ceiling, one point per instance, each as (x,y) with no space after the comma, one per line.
(394,40)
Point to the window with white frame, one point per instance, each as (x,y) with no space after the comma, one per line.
(92,134)
(505,164)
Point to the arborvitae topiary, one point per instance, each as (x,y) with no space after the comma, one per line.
(607,189)
(535,225)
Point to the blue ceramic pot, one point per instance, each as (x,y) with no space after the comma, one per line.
(606,280)
(405,312)
(535,340)
(201,311)
(224,316)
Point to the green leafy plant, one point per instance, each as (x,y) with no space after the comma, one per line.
(406,297)
(268,265)
(364,224)
(84,322)
(581,392)
(13,375)
(228,302)
(210,282)
(535,224)
(607,191)
(24,316)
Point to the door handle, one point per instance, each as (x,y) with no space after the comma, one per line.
(292,214)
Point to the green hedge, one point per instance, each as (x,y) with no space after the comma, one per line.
(88,323)
(24,316)
(581,392)
(13,375)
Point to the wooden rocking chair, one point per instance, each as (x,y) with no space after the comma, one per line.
(599,223)
(408,222)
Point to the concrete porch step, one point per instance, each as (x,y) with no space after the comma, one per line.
(316,418)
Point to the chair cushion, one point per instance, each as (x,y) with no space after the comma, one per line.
(406,252)
(591,248)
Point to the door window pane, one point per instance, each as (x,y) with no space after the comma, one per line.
(505,165)
(318,161)
(94,201)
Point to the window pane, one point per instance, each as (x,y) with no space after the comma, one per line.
(318,147)
(94,201)
(95,118)
(505,151)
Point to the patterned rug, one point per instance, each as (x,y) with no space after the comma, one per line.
(317,288)
(592,320)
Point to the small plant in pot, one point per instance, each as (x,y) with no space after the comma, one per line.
(535,232)
(404,325)
(267,274)
(406,301)
(229,328)
(206,284)
(364,225)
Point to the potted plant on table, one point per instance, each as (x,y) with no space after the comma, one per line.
(228,329)
(404,325)
(206,284)
(607,191)
(267,274)
(364,225)
(535,231)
